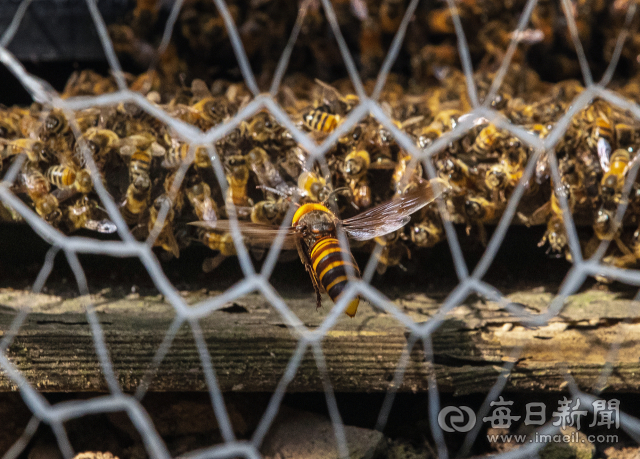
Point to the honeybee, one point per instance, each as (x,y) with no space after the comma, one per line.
(497,182)
(100,142)
(598,117)
(261,128)
(84,182)
(136,199)
(221,242)
(326,117)
(627,259)
(480,210)
(179,152)
(165,239)
(551,213)
(355,169)
(457,173)
(293,163)
(199,195)
(602,130)
(209,112)
(269,212)
(520,112)
(590,173)
(314,233)
(9,123)
(393,252)
(514,159)
(31,121)
(265,171)
(34,149)
(87,83)
(313,186)
(320,119)
(82,214)
(625,134)
(427,232)
(402,182)
(487,140)
(56,134)
(35,184)
(381,145)
(88,118)
(605,229)
(444,121)
(142,149)
(8,214)
(237,176)
(61,176)
(571,174)
(556,235)
(338,103)
(615,169)
(55,124)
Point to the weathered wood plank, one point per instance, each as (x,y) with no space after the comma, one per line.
(250,344)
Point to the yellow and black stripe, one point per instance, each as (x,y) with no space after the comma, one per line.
(61,176)
(329,265)
(320,120)
(175,156)
(604,129)
(140,164)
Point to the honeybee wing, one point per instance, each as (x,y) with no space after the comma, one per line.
(329,88)
(200,89)
(538,217)
(411,121)
(604,153)
(392,215)
(64,194)
(101,226)
(157,149)
(208,211)
(256,234)
(126,148)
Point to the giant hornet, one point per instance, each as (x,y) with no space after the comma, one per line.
(314,233)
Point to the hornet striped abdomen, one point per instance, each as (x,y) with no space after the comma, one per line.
(314,232)
(328,261)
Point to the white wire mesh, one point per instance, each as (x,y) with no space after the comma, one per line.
(308,339)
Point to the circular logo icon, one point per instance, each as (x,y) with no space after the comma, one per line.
(452,419)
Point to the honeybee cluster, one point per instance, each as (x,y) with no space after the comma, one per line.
(200,45)
(139,159)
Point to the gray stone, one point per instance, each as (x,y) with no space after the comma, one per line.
(300,434)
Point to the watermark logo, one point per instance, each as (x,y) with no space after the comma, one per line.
(605,413)
(456,419)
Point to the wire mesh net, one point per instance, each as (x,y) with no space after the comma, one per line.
(308,339)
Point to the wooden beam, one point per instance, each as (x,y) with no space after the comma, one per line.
(250,344)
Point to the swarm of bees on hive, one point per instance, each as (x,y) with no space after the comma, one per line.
(200,45)
(139,158)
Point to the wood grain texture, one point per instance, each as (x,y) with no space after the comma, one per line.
(250,344)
